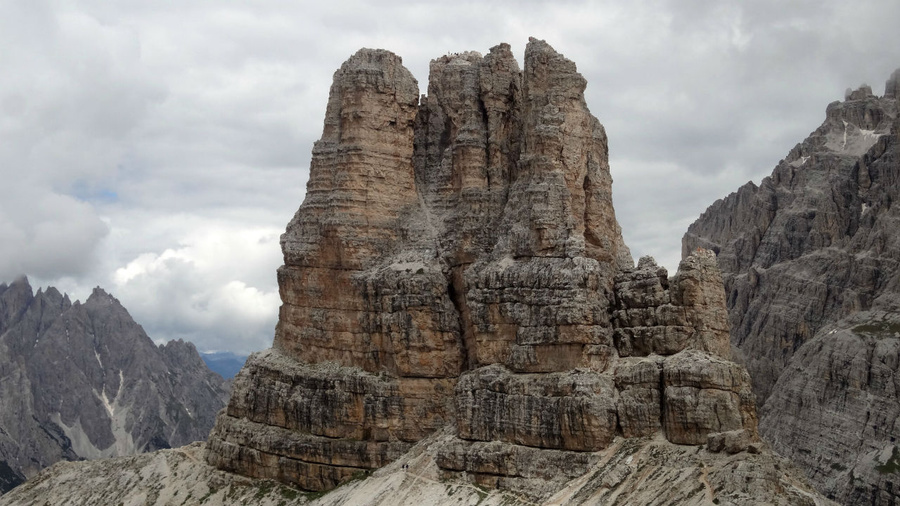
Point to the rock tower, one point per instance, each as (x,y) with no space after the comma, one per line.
(457,266)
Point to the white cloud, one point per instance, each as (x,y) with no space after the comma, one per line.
(209,290)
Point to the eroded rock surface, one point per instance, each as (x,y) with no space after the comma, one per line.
(811,259)
(633,471)
(457,268)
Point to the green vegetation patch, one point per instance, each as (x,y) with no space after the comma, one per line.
(289,493)
(892,465)
(263,489)
(878,329)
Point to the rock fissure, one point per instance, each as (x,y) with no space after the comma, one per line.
(662,395)
(455,289)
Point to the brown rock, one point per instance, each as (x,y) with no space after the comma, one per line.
(651,317)
(566,411)
(704,394)
(537,300)
(639,405)
(733,441)
(523,469)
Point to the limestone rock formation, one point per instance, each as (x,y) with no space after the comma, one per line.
(811,264)
(456,271)
(83,381)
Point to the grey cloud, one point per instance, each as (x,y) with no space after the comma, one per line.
(70,94)
(46,234)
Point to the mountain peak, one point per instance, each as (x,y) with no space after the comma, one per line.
(19,283)
(101,296)
(864,91)
(81,370)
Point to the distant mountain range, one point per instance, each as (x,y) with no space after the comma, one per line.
(83,380)
(225,363)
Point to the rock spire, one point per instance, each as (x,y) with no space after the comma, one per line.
(456,270)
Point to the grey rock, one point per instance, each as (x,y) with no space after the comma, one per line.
(733,441)
(85,381)
(835,409)
(809,257)
(892,86)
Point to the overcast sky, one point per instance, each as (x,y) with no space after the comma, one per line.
(158,149)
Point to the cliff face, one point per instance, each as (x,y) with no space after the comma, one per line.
(83,381)
(457,266)
(811,264)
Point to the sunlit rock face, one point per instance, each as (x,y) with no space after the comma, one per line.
(811,264)
(457,266)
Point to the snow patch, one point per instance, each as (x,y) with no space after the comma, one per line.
(506,262)
(870,133)
(844,147)
(852,141)
(800,161)
(118,415)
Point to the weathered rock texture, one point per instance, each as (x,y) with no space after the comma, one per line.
(635,471)
(811,264)
(82,381)
(162,478)
(457,265)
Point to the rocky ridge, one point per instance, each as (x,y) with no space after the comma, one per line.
(83,381)
(811,263)
(456,270)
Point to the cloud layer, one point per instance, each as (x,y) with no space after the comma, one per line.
(158,149)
